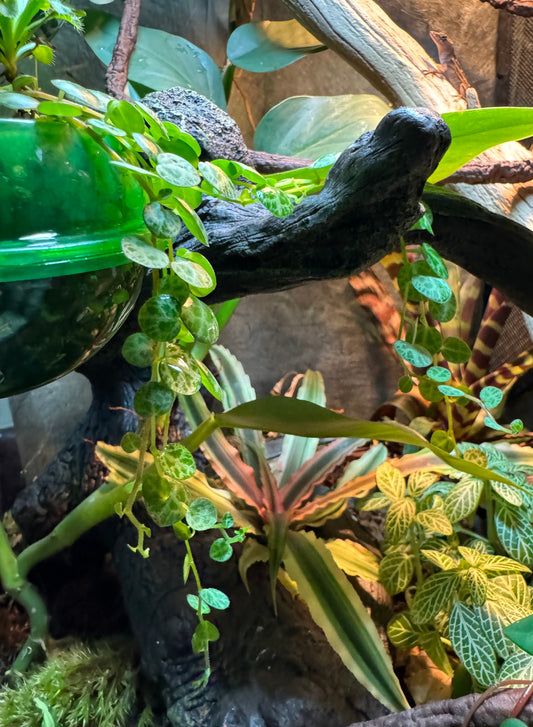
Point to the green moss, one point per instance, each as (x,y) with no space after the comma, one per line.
(82,686)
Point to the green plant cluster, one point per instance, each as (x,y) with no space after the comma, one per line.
(460,588)
(95,685)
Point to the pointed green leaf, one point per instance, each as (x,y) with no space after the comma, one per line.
(396,572)
(390,481)
(493,618)
(338,611)
(455,350)
(473,648)
(463,499)
(515,532)
(400,516)
(432,288)
(376,501)
(416,355)
(434,521)
(402,633)
(354,559)
(517,666)
(432,644)
(434,595)
(441,560)
(218,179)
(512,495)
(477,581)
(418,482)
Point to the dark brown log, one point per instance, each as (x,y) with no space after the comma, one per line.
(524,8)
(117,72)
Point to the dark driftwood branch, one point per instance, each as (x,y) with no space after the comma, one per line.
(451,713)
(117,72)
(503,172)
(524,8)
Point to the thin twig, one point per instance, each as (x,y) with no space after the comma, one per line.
(117,72)
(516,172)
(523,8)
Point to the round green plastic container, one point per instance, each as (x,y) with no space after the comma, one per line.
(65,286)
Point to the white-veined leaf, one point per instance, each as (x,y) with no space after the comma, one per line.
(390,481)
(477,581)
(434,595)
(471,645)
(463,499)
(400,516)
(434,521)
(517,666)
(396,572)
(418,482)
(515,532)
(402,633)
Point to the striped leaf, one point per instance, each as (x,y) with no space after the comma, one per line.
(471,645)
(390,481)
(511,586)
(434,521)
(399,518)
(434,595)
(495,565)
(493,618)
(477,582)
(376,501)
(510,494)
(337,609)
(396,572)
(418,482)
(463,499)
(441,560)
(517,666)
(401,632)
(515,532)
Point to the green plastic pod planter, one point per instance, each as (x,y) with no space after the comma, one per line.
(65,286)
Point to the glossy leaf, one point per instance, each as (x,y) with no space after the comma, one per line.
(126,116)
(202,514)
(475,130)
(73,91)
(160,60)
(521,633)
(138,350)
(159,317)
(435,289)
(270,45)
(153,399)
(218,180)
(195,270)
(310,127)
(434,260)
(140,252)
(214,598)
(57,108)
(176,461)
(180,372)
(455,350)
(200,320)
(337,609)
(416,355)
(471,645)
(161,222)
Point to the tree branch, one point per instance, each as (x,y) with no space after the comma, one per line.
(524,8)
(504,172)
(117,72)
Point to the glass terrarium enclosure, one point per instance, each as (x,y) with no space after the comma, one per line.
(65,286)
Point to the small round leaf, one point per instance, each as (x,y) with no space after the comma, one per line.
(202,514)
(438,373)
(125,116)
(137,250)
(130,442)
(413,354)
(455,350)
(200,320)
(214,598)
(443,312)
(137,350)
(153,399)
(177,171)
(161,221)
(159,317)
(435,289)
(434,260)
(221,550)
(491,396)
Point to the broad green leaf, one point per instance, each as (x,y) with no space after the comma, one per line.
(310,127)
(434,521)
(337,609)
(493,618)
(159,317)
(125,115)
(58,108)
(220,550)
(521,633)
(161,222)
(160,60)
(176,461)
(402,633)
(275,201)
(106,129)
(463,499)
(476,130)
(176,171)
(435,289)
(415,355)
(491,396)
(354,559)
(235,170)
(140,252)
(471,645)
(204,633)
(200,320)
(434,260)
(48,714)
(202,514)
(443,312)
(515,532)
(455,350)
(214,598)
(396,572)
(218,179)
(400,516)
(517,666)
(428,337)
(17,101)
(138,350)
(512,495)
(195,270)
(270,45)
(292,416)
(495,565)
(390,481)
(153,399)
(438,373)
(434,595)
(93,99)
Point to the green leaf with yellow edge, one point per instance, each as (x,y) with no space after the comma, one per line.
(475,130)
(354,559)
(337,609)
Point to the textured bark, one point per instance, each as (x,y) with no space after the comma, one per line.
(117,72)
(524,8)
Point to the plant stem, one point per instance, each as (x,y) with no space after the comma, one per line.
(200,434)
(27,595)
(415,547)
(489,508)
